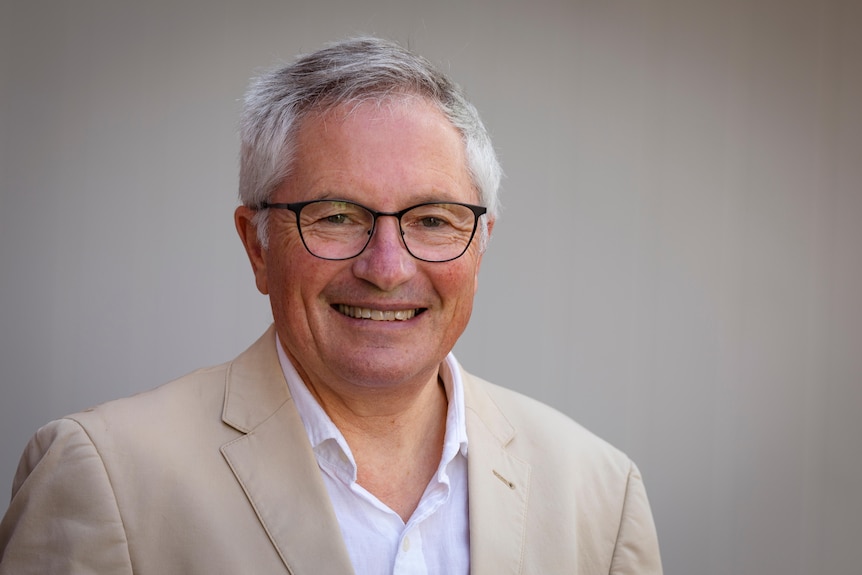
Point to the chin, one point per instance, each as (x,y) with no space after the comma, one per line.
(386,372)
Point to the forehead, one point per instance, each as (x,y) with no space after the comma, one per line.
(398,144)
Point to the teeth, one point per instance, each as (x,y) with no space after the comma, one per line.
(376,314)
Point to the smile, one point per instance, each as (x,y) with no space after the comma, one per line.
(376,314)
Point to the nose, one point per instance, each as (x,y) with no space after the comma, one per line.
(386,263)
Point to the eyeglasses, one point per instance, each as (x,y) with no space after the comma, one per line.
(340,230)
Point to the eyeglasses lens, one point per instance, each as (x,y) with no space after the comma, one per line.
(431,232)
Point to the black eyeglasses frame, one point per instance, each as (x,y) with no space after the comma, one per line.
(296,208)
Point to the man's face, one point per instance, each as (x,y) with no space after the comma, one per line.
(386,157)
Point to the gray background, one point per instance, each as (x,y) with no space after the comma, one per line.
(678,266)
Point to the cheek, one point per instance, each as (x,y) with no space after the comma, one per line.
(459,284)
(283,259)
(281,274)
(299,281)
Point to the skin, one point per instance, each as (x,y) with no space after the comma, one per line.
(377,380)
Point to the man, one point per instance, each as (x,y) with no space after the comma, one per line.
(348,438)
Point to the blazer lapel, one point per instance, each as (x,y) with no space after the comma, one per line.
(276,467)
(498,485)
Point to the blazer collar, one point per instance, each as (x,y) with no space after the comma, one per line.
(254,385)
(291,501)
(498,485)
(286,492)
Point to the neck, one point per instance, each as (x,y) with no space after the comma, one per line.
(389,417)
(396,437)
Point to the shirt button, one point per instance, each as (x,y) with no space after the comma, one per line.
(405,545)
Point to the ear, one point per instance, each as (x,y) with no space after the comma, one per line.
(491,222)
(256,252)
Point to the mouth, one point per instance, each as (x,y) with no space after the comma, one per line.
(377,314)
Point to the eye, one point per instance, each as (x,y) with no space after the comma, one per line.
(337,219)
(436,218)
(431,222)
(333,214)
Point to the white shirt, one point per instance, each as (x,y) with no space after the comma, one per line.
(436,538)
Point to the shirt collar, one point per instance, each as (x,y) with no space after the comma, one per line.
(327,440)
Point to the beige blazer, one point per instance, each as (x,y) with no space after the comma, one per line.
(213,473)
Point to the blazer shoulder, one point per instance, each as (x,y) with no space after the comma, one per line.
(252,381)
(539,429)
(192,396)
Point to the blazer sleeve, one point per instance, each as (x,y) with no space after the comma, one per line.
(636,550)
(63,518)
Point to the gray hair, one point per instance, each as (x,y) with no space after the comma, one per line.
(349,72)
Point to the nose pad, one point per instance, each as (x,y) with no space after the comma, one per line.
(377,234)
(385,262)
